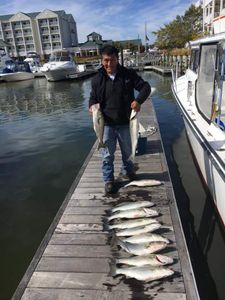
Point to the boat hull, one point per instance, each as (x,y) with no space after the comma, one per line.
(59,74)
(17,76)
(211,169)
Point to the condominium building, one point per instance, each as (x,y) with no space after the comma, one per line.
(213,16)
(42,32)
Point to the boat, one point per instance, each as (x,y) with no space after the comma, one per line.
(61,66)
(34,62)
(200,95)
(11,70)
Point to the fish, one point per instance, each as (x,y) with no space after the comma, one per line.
(132,205)
(143,183)
(147,237)
(130,224)
(135,213)
(151,259)
(134,132)
(141,249)
(153,90)
(98,124)
(144,273)
(138,230)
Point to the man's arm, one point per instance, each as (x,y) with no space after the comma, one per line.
(143,87)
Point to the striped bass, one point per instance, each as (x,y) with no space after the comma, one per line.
(145,273)
(134,130)
(145,238)
(139,230)
(98,123)
(135,213)
(141,249)
(151,259)
(132,205)
(130,224)
(144,182)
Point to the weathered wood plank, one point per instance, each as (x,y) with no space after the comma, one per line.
(94,251)
(99,281)
(74,264)
(80,239)
(76,294)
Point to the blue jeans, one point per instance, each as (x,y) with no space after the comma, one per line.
(111,135)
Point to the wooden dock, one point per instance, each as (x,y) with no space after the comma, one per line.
(73,259)
(159,69)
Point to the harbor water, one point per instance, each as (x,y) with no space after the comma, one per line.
(45,135)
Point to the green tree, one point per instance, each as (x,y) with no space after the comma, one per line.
(181,30)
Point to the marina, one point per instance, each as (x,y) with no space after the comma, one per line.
(76,252)
(157,233)
(35,197)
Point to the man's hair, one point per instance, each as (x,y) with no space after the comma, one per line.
(109,50)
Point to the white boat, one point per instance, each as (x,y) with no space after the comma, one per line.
(60,66)
(34,62)
(13,71)
(200,95)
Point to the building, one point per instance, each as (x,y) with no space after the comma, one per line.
(92,46)
(213,16)
(42,32)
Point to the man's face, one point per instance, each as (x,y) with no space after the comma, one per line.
(110,62)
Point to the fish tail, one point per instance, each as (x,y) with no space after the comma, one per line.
(113,270)
(108,212)
(114,240)
(106,226)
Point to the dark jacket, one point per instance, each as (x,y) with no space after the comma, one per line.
(129,80)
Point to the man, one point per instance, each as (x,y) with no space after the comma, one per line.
(113,87)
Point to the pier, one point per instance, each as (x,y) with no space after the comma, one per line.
(73,260)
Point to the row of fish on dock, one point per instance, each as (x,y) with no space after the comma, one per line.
(136,236)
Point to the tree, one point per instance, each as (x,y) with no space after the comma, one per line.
(181,30)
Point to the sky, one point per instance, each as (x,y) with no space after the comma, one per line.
(116,20)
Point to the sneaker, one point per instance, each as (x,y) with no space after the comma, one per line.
(109,187)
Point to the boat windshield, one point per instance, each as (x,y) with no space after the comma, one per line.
(60,56)
(206,80)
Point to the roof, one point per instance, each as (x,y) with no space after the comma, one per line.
(32,15)
(94,33)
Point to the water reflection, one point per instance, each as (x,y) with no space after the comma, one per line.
(40,96)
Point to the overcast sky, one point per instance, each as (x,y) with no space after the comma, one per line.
(116,20)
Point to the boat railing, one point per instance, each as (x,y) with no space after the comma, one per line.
(175,76)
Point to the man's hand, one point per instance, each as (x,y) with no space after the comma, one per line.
(135,106)
(90,110)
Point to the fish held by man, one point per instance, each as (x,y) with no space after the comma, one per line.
(139,261)
(98,124)
(131,205)
(135,213)
(143,183)
(144,273)
(134,132)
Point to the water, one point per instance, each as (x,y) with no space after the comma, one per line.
(45,135)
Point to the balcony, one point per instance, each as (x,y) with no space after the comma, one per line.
(18,34)
(53,23)
(29,33)
(29,42)
(27,25)
(20,42)
(44,24)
